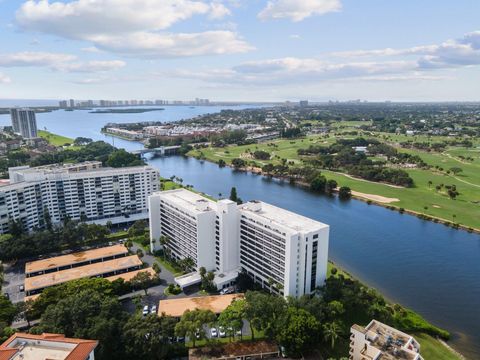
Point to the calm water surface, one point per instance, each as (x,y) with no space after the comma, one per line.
(425,266)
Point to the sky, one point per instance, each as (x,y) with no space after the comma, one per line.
(241,50)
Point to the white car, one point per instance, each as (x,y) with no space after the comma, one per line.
(145,310)
(154,309)
(213,332)
(221,331)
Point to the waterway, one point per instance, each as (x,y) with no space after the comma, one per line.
(430,268)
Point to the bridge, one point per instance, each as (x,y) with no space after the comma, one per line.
(162,150)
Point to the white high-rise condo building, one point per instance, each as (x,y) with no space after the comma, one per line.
(24,122)
(84,191)
(280,250)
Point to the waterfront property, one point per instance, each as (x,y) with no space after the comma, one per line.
(380,341)
(214,303)
(24,122)
(25,346)
(84,191)
(282,251)
(237,351)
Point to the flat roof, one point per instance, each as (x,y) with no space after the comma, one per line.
(125,276)
(59,277)
(46,346)
(215,303)
(187,199)
(233,350)
(131,274)
(57,261)
(282,217)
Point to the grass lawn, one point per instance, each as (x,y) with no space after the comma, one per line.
(54,139)
(422,198)
(432,349)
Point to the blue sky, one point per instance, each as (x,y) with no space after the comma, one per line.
(401,50)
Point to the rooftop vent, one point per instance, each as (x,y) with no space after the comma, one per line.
(254,205)
(201,205)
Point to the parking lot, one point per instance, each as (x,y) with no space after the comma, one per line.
(14,277)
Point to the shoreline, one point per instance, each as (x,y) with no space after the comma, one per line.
(389,206)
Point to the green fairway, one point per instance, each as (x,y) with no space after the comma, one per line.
(54,139)
(423,198)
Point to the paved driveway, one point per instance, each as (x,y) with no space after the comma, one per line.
(14,276)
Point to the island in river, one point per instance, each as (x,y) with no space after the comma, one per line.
(125,111)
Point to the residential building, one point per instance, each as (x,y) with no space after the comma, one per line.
(84,191)
(71,103)
(23,346)
(24,122)
(63,104)
(379,341)
(282,251)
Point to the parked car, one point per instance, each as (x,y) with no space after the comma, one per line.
(239,332)
(221,331)
(197,334)
(7,295)
(213,332)
(145,310)
(21,288)
(228,290)
(154,309)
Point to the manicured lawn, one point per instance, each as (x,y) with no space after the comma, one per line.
(422,198)
(432,349)
(54,139)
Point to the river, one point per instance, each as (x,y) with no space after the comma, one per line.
(430,268)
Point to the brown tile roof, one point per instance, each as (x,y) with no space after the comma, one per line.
(79,352)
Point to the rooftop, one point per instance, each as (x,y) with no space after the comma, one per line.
(46,346)
(393,344)
(215,303)
(254,349)
(282,217)
(189,200)
(59,277)
(74,258)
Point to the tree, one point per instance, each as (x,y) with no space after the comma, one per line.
(137,229)
(331,332)
(148,338)
(143,280)
(263,311)
(330,186)
(88,314)
(297,331)
(156,268)
(344,193)
(238,163)
(318,183)
(25,311)
(122,158)
(456,170)
(232,317)
(234,197)
(7,310)
(221,163)
(191,323)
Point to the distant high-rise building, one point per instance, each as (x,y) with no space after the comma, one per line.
(303,103)
(63,104)
(72,103)
(24,122)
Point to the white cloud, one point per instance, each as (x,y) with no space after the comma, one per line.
(4,79)
(298,10)
(295,37)
(132,27)
(91,49)
(173,45)
(58,62)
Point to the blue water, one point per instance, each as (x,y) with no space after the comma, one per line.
(425,266)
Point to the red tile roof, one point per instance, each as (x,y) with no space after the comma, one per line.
(79,352)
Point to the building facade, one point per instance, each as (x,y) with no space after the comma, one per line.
(84,191)
(24,122)
(280,250)
(379,341)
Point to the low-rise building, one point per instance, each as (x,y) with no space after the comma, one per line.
(22,346)
(282,251)
(379,341)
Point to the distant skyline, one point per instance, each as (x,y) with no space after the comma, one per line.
(240,50)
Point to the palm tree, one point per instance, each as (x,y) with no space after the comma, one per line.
(331,332)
